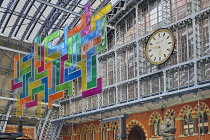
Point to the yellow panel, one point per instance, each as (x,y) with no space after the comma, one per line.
(39,109)
(18,112)
(82,65)
(33,85)
(99,15)
(24,65)
(50,57)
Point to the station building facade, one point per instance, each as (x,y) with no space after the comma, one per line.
(177,89)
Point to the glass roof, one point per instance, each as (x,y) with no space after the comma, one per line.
(24,20)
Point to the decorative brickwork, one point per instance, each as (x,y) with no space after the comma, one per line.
(130,126)
(169,112)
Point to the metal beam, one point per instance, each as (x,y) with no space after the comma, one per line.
(110,119)
(14,99)
(122,119)
(5,67)
(58,7)
(13,50)
(111,27)
(9,108)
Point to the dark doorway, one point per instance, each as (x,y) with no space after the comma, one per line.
(136,134)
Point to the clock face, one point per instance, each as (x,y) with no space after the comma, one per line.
(160,46)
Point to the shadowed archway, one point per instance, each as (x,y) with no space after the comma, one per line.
(136,133)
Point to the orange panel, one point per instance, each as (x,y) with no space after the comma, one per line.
(55,96)
(89,45)
(23,101)
(16,58)
(48,67)
(78,27)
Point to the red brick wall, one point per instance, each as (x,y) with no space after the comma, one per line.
(142,119)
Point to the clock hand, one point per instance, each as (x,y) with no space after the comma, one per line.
(155,47)
(160,53)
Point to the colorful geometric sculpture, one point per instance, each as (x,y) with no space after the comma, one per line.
(49,70)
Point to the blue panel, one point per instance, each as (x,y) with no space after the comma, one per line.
(71,76)
(29,56)
(65,50)
(93,34)
(53,89)
(90,52)
(74,52)
(17,80)
(45,82)
(54,49)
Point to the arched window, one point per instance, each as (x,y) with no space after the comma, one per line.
(202,111)
(103,129)
(170,114)
(188,124)
(203,123)
(91,132)
(85,132)
(114,130)
(155,120)
(188,121)
(70,133)
(79,133)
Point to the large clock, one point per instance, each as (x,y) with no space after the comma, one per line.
(160,46)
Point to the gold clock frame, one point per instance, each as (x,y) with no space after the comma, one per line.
(172,49)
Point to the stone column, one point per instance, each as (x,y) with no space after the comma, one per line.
(208,124)
(179,124)
(98,135)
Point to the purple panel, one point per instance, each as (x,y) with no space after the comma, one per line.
(15,86)
(33,103)
(93,91)
(63,59)
(87,29)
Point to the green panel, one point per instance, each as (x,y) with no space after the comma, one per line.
(56,63)
(38,41)
(24,71)
(103,44)
(92,83)
(27,76)
(40,75)
(64,86)
(37,90)
(78,39)
(69,61)
(50,38)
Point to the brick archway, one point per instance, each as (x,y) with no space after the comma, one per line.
(131,125)
(167,113)
(153,115)
(186,110)
(201,104)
